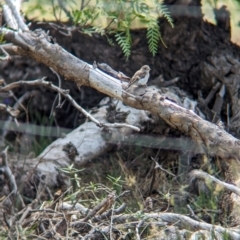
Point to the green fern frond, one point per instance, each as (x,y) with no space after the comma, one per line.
(165,12)
(110,41)
(153,36)
(124,41)
(121,14)
(99,30)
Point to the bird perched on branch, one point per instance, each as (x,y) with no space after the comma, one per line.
(140,77)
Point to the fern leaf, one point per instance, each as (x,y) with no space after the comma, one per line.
(153,36)
(124,41)
(110,41)
(165,12)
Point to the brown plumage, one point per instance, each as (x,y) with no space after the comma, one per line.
(141,76)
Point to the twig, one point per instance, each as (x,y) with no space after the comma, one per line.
(19,101)
(111,221)
(101,207)
(217,107)
(9,175)
(53,104)
(109,24)
(17,105)
(69,30)
(137,228)
(212,93)
(228,118)
(59,85)
(120,125)
(61,196)
(25,214)
(108,214)
(6,55)
(6,221)
(7,172)
(193,214)
(159,166)
(107,69)
(54,11)
(123,193)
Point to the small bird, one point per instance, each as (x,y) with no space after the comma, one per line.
(141,76)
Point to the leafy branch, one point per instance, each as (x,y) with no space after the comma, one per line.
(115,18)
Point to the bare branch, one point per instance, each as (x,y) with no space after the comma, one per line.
(16,106)
(65,93)
(120,125)
(157,165)
(7,171)
(206,176)
(9,175)
(9,18)
(105,204)
(182,221)
(59,85)
(5,53)
(15,11)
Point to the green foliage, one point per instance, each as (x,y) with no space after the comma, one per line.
(116,182)
(124,41)
(116,17)
(153,36)
(84,17)
(73,173)
(162,10)
(226,236)
(204,201)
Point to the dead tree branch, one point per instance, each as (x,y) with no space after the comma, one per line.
(208,177)
(38,46)
(182,221)
(14,7)
(65,93)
